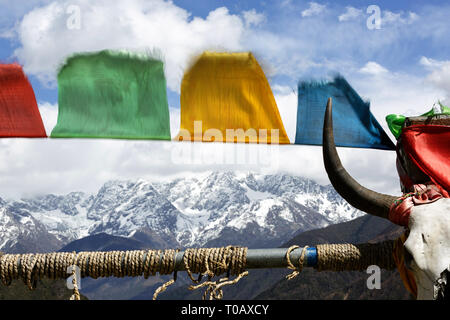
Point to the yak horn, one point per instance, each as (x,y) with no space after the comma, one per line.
(366,200)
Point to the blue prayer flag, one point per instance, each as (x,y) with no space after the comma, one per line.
(353,123)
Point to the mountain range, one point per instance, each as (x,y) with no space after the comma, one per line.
(210,209)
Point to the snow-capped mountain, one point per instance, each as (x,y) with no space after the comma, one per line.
(213,208)
(20,232)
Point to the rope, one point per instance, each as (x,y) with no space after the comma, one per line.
(296,271)
(206,262)
(167,266)
(211,262)
(215,261)
(350,257)
(76,292)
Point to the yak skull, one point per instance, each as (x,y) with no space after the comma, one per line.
(428,242)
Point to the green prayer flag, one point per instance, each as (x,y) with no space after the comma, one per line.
(112,95)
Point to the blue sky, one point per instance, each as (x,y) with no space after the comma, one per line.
(281,18)
(403,67)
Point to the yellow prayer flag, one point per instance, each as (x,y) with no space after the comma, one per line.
(226,97)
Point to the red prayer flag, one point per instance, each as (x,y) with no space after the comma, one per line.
(19,113)
(428,146)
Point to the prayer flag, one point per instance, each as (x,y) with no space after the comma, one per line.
(226,97)
(353,123)
(112,95)
(19,113)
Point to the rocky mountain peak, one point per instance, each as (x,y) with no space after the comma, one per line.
(190,211)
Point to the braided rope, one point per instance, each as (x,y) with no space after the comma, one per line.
(351,257)
(211,262)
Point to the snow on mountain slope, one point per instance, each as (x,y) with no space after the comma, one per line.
(21,233)
(63,216)
(193,210)
(122,208)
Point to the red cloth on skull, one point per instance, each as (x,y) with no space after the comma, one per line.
(423,194)
(19,113)
(428,147)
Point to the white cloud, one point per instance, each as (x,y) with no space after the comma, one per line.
(374,68)
(175,121)
(313,9)
(350,13)
(49,115)
(132,24)
(7,34)
(253,18)
(286,99)
(389,17)
(412,16)
(300,47)
(394,92)
(430,64)
(439,75)
(40,166)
